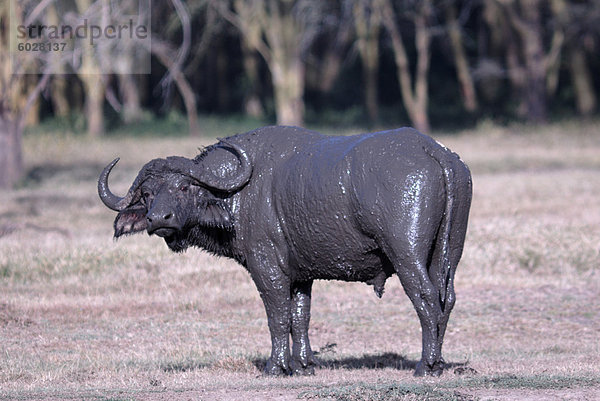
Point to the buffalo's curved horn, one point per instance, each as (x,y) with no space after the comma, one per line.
(111,200)
(204,176)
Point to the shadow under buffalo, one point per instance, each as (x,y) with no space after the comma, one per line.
(367,361)
(385,360)
(370,361)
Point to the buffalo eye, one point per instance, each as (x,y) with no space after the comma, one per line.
(183,187)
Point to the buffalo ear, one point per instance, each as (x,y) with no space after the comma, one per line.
(130,221)
(215,214)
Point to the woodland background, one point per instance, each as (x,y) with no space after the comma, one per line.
(431,64)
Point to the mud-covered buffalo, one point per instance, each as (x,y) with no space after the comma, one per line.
(293,206)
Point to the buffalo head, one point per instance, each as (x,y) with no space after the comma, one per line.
(180,199)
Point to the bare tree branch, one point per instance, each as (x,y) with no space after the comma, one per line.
(37,11)
(31,98)
(166,56)
(183,51)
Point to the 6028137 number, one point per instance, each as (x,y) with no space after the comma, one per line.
(42,47)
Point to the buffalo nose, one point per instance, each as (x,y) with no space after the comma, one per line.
(158,218)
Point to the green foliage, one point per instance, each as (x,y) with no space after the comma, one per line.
(226,125)
(174,124)
(73,124)
(350,117)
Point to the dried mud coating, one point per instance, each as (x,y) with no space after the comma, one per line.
(292,206)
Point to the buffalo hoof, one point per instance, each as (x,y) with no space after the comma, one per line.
(273,369)
(424,369)
(299,370)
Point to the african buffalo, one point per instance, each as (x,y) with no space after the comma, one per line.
(292,205)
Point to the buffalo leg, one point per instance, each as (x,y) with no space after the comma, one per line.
(423,295)
(412,271)
(277,305)
(302,357)
(274,289)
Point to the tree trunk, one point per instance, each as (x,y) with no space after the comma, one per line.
(279,41)
(222,77)
(324,73)
(415,101)
(18,95)
(132,109)
(11,159)
(58,85)
(329,71)
(164,55)
(582,82)
(517,78)
(94,103)
(499,17)
(58,96)
(32,117)
(492,48)
(331,64)
(581,76)
(367,23)
(251,41)
(288,84)
(561,21)
(469,96)
(284,36)
(370,74)
(252,104)
(531,34)
(526,20)
(90,75)
(422,43)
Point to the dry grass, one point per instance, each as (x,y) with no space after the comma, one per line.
(82,316)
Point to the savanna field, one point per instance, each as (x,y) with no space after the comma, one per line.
(85,317)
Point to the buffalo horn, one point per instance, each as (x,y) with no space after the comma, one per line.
(111,200)
(205,177)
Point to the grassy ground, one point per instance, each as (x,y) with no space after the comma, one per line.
(84,317)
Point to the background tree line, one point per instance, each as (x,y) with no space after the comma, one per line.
(423,63)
